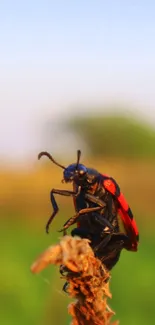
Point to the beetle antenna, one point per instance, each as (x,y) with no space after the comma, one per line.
(45,153)
(78,158)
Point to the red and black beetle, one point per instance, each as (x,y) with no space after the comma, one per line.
(98,202)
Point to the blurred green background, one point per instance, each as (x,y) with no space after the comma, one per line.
(38,299)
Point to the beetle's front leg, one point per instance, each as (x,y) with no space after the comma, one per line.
(54,203)
(67,192)
(55,210)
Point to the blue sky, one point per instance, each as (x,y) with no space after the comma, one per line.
(55,55)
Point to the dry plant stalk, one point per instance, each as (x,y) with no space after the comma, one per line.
(87,279)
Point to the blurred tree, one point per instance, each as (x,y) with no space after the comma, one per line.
(115,136)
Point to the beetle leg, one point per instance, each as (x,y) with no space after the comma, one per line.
(66,192)
(54,203)
(111,258)
(73,219)
(119,237)
(103,222)
(92,198)
(65,287)
(63,270)
(104,242)
(113,238)
(100,219)
(109,249)
(111,253)
(55,208)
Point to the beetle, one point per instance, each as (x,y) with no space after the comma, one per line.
(98,201)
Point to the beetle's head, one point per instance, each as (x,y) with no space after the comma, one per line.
(75,173)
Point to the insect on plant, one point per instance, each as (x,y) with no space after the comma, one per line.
(98,205)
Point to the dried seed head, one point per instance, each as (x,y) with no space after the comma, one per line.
(87,278)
